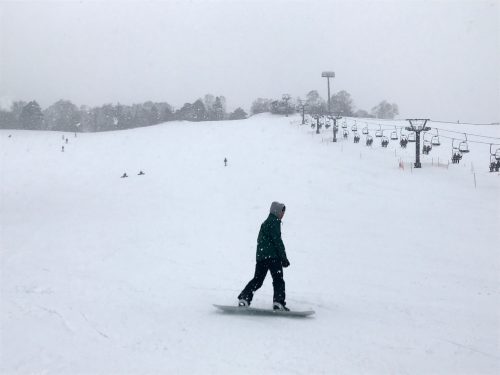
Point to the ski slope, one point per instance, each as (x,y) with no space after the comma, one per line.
(104,275)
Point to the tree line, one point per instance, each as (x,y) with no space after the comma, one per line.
(341,104)
(66,116)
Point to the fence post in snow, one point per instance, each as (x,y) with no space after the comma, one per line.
(475,185)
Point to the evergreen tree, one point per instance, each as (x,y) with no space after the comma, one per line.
(7,120)
(315,104)
(199,112)
(385,110)
(63,116)
(31,117)
(167,114)
(219,108)
(260,105)
(209,101)
(87,119)
(154,117)
(185,113)
(16,109)
(362,113)
(342,104)
(238,114)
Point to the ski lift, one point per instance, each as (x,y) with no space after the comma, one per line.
(354,127)
(365,130)
(356,137)
(344,125)
(463,147)
(427,147)
(456,155)
(369,140)
(385,141)
(394,134)
(379,132)
(412,137)
(494,160)
(403,141)
(435,139)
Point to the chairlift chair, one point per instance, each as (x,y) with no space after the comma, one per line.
(456,155)
(427,147)
(435,139)
(354,127)
(379,132)
(369,140)
(356,137)
(463,147)
(412,137)
(494,164)
(403,141)
(394,135)
(365,130)
(344,125)
(494,160)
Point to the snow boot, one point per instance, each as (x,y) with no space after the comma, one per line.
(280,307)
(243,303)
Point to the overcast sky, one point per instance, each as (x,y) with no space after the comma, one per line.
(436,59)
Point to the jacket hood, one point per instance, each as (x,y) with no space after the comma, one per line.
(276,208)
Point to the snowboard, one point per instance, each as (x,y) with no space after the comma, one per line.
(258,311)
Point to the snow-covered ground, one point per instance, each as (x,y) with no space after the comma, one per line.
(103,275)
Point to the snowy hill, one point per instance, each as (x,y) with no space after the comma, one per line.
(103,275)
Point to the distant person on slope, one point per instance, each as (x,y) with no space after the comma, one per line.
(271,256)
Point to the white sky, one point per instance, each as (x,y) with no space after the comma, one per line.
(436,59)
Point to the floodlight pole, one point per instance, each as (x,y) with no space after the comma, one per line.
(328,75)
(417,129)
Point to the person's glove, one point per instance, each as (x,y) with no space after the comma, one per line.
(285,263)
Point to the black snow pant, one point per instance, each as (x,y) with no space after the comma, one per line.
(261,268)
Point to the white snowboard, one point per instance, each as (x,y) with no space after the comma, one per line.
(257,311)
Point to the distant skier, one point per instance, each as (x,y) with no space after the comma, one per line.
(66,140)
(271,256)
(225,162)
(124,175)
(141,173)
(62,149)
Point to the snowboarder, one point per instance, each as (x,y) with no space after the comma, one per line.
(66,140)
(271,256)
(141,173)
(124,175)
(225,162)
(62,149)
